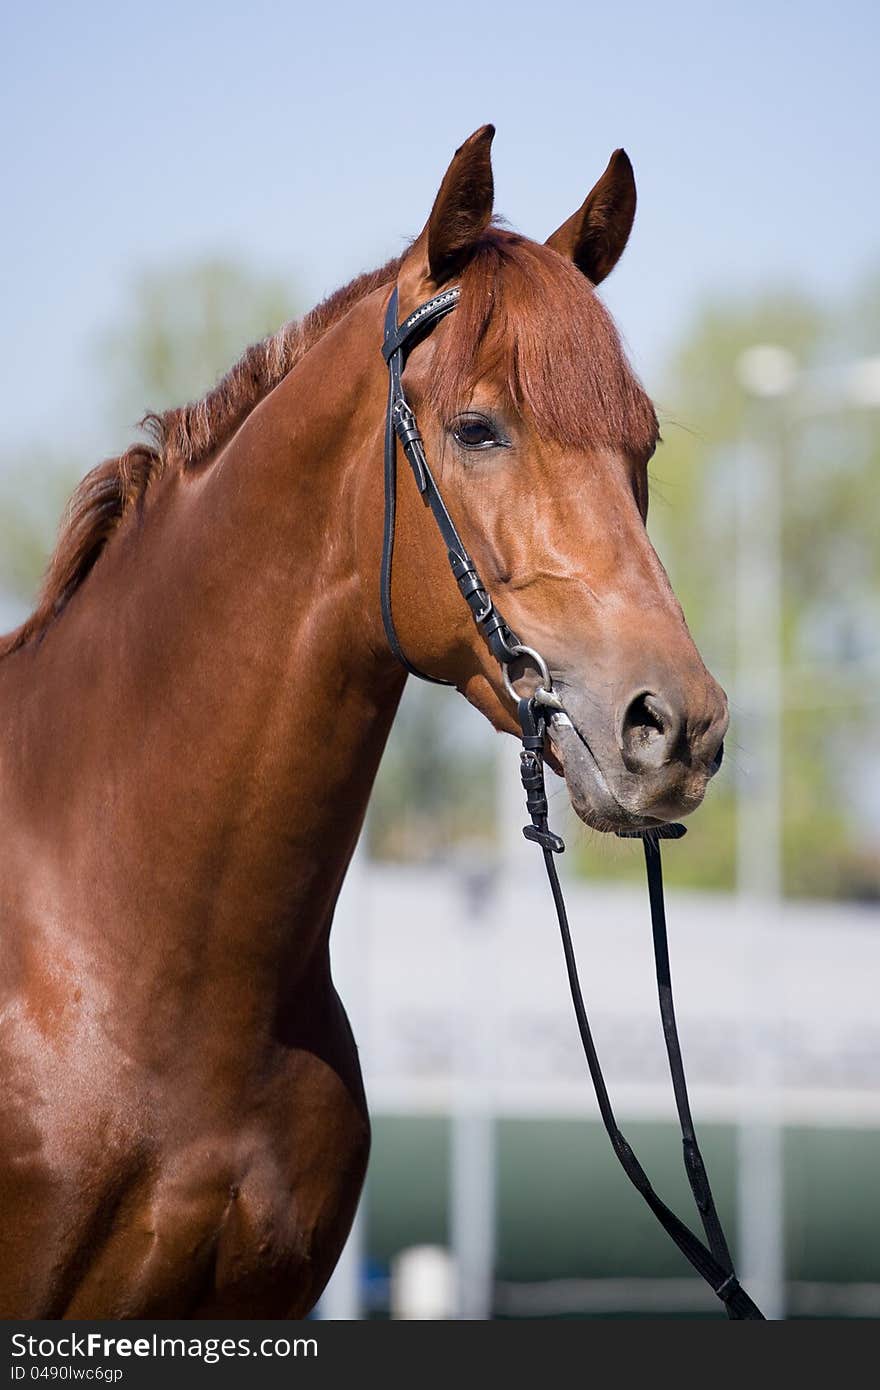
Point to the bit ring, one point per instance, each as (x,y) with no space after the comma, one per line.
(546,686)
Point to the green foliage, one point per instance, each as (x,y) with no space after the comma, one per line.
(183,328)
(435,792)
(831,581)
(32,499)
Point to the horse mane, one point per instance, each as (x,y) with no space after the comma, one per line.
(525,312)
(181,438)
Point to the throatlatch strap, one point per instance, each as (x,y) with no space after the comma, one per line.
(388,546)
(401,424)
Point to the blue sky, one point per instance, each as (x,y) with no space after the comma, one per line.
(311,140)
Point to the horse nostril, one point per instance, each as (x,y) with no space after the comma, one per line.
(649,732)
(717,760)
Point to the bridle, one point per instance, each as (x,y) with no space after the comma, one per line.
(711,1259)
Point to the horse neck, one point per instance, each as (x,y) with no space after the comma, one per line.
(226,698)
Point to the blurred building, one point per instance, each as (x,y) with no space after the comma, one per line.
(457,991)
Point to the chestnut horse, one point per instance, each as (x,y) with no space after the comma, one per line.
(193,718)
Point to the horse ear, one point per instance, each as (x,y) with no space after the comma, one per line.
(595,235)
(462,209)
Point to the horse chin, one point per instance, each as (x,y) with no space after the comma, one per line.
(592,798)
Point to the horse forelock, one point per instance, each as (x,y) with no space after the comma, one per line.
(528,317)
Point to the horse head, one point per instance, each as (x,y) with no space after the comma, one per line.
(540,436)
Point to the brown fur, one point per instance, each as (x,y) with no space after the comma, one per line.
(526,312)
(183,437)
(91,516)
(188,757)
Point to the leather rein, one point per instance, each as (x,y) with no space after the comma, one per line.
(710,1258)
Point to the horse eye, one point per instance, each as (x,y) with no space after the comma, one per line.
(475,432)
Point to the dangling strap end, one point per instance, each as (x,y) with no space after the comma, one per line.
(669,831)
(407,432)
(545,838)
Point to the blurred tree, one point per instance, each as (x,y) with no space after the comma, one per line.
(182,327)
(32,499)
(831,578)
(435,794)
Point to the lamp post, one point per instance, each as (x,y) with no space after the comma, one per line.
(768,374)
(780,397)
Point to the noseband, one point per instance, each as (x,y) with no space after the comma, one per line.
(712,1259)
